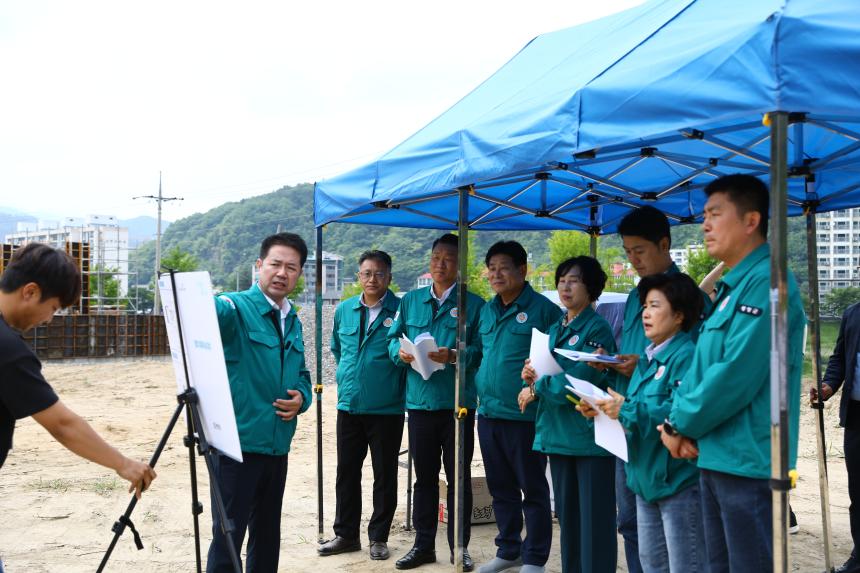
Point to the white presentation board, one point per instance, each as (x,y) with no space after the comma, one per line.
(204,353)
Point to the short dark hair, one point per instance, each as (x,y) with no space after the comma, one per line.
(449,239)
(747,193)
(591,274)
(680,290)
(285,240)
(647,222)
(380,256)
(56,273)
(510,248)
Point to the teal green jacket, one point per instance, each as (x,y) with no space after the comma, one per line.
(724,399)
(559,427)
(262,364)
(505,339)
(416,317)
(367,381)
(633,339)
(652,473)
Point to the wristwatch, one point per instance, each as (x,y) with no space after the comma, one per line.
(452,356)
(668,428)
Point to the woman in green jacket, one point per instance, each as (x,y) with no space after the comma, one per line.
(583,473)
(669,518)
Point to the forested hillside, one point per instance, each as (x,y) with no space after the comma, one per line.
(226,239)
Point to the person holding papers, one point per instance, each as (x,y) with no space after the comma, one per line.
(370,403)
(667,494)
(724,400)
(583,473)
(270,385)
(430,402)
(516,474)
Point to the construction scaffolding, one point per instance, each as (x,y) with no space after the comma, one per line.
(90,328)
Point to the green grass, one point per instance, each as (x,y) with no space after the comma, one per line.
(829,332)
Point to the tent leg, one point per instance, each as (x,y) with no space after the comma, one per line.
(318,389)
(457,518)
(779,339)
(815,345)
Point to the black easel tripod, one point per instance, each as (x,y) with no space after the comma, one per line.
(189,400)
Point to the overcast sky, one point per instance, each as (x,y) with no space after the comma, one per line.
(232,99)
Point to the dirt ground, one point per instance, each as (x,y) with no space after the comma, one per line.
(57,510)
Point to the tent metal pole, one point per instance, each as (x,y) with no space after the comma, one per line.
(815,346)
(318,388)
(780,483)
(593,232)
(457,517)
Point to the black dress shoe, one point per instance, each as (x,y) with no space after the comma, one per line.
(850,566)
(468,564)
(415,558)
(339,545)
(379,550)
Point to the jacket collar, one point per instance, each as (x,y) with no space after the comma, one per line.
(389,301)
(261,304)
(737,274)
(523,300)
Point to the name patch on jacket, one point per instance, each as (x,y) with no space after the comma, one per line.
(751,310)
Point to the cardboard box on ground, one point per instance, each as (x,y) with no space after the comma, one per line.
(482,502)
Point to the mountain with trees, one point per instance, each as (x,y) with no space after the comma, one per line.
(226,240)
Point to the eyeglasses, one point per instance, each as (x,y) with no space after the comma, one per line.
(367,275)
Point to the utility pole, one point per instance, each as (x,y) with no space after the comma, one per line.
(160,199)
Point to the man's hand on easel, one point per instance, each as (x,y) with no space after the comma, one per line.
(289,409)
(139,474)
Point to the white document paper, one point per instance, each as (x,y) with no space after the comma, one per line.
(540,357)
(587,356)
(423,344)
(608,433)
(204,353)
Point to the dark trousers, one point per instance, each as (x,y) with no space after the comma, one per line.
(355,434)
(626,501)
(253,492)
(852,464)
(431,442)
(584,489)
(516,477)
(737,514)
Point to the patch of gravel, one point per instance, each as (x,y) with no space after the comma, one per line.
(307,314)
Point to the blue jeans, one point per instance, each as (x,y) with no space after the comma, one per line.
(671,536)
(737,514)
(626,521)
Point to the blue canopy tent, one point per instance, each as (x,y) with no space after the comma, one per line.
(643,107)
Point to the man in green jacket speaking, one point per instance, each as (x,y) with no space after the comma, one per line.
(370,405)
(270,385)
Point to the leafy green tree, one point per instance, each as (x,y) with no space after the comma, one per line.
(475,269)
(105,287)
(565,244)
(141,298)
(699,264)
(179,260)
(839,299)
(300,288)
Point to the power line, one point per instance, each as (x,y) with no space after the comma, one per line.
(159,199)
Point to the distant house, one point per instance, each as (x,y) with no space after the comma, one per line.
(423,281)
(681,256)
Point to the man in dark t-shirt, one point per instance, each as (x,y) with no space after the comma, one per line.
(38,282)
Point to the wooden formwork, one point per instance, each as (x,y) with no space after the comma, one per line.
(99,335)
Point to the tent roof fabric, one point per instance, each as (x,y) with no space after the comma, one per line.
(642,107)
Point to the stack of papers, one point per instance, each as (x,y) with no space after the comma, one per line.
(423,344)
(587,356)
(608,433)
